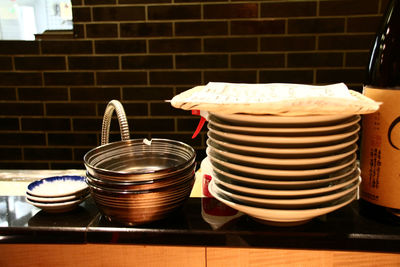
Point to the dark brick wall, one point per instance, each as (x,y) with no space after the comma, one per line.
(142,52)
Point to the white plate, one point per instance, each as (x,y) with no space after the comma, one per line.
(58,207)
(282,216)
(292,152)
(57,186)
(261,192)
(264,161)
(284,140)
(245,119)
(57,199)
(298,203)
(279,174)
(226,127)
(292,184)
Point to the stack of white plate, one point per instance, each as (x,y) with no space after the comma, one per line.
(57,194)
(284,170)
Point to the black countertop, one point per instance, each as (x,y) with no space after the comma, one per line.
(344,229)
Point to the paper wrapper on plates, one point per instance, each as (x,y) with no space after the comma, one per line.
(275,99)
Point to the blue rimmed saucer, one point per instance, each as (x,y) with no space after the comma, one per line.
(57,186)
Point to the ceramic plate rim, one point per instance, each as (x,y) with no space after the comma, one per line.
(298,202)
(283,150)
(249,129)
(33,185)
(274,119)
(288,140)
(285,215)
(289,192)
(248,159)
(286,182)
(279,174)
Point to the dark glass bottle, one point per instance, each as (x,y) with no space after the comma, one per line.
(380,146)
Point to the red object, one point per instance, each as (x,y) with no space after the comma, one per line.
(200,125)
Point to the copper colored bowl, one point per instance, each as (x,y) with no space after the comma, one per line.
(139,207)
(176,178)
(135,181)
(135,161)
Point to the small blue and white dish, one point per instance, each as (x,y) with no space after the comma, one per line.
(57,186)
(58,207)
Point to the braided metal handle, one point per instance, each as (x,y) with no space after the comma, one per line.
(123,122)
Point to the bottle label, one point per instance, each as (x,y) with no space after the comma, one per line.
(380,150)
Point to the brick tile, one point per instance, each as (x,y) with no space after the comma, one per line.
(363,24)
(183,137)
(199,1)
(150,29)
(93,62)
(230,44)
(352,7)
(102,30)
(81,14)
(79,30)
(88,124)
(147,62)
(22,139)
(321,25)
(68,78)
(152,125)
(346,42)
(230,76)
(115,13)
(175,77)
(20,78)
(300,60)
(42,93)
(287,43)
(10,153)
(70,109)
(48,153)
(287,76)
(99,2)
(72,139)
(5,63)
(201,28)
(120,46)
(144,1)
(174,45)
(230,11)
(190,125)
(174,12)
(248,27)
(45,124)
(40,63)
(121,77)
(76,2)
(289,9)
(357,59)
(95,93)
(131,109)
(8,93)
(348,76)
(9,124)
(258,60)
(201,61)
(18,47)
(66,47)
(147,93)
(165,109)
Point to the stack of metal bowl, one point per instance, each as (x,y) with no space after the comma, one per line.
(136,181)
